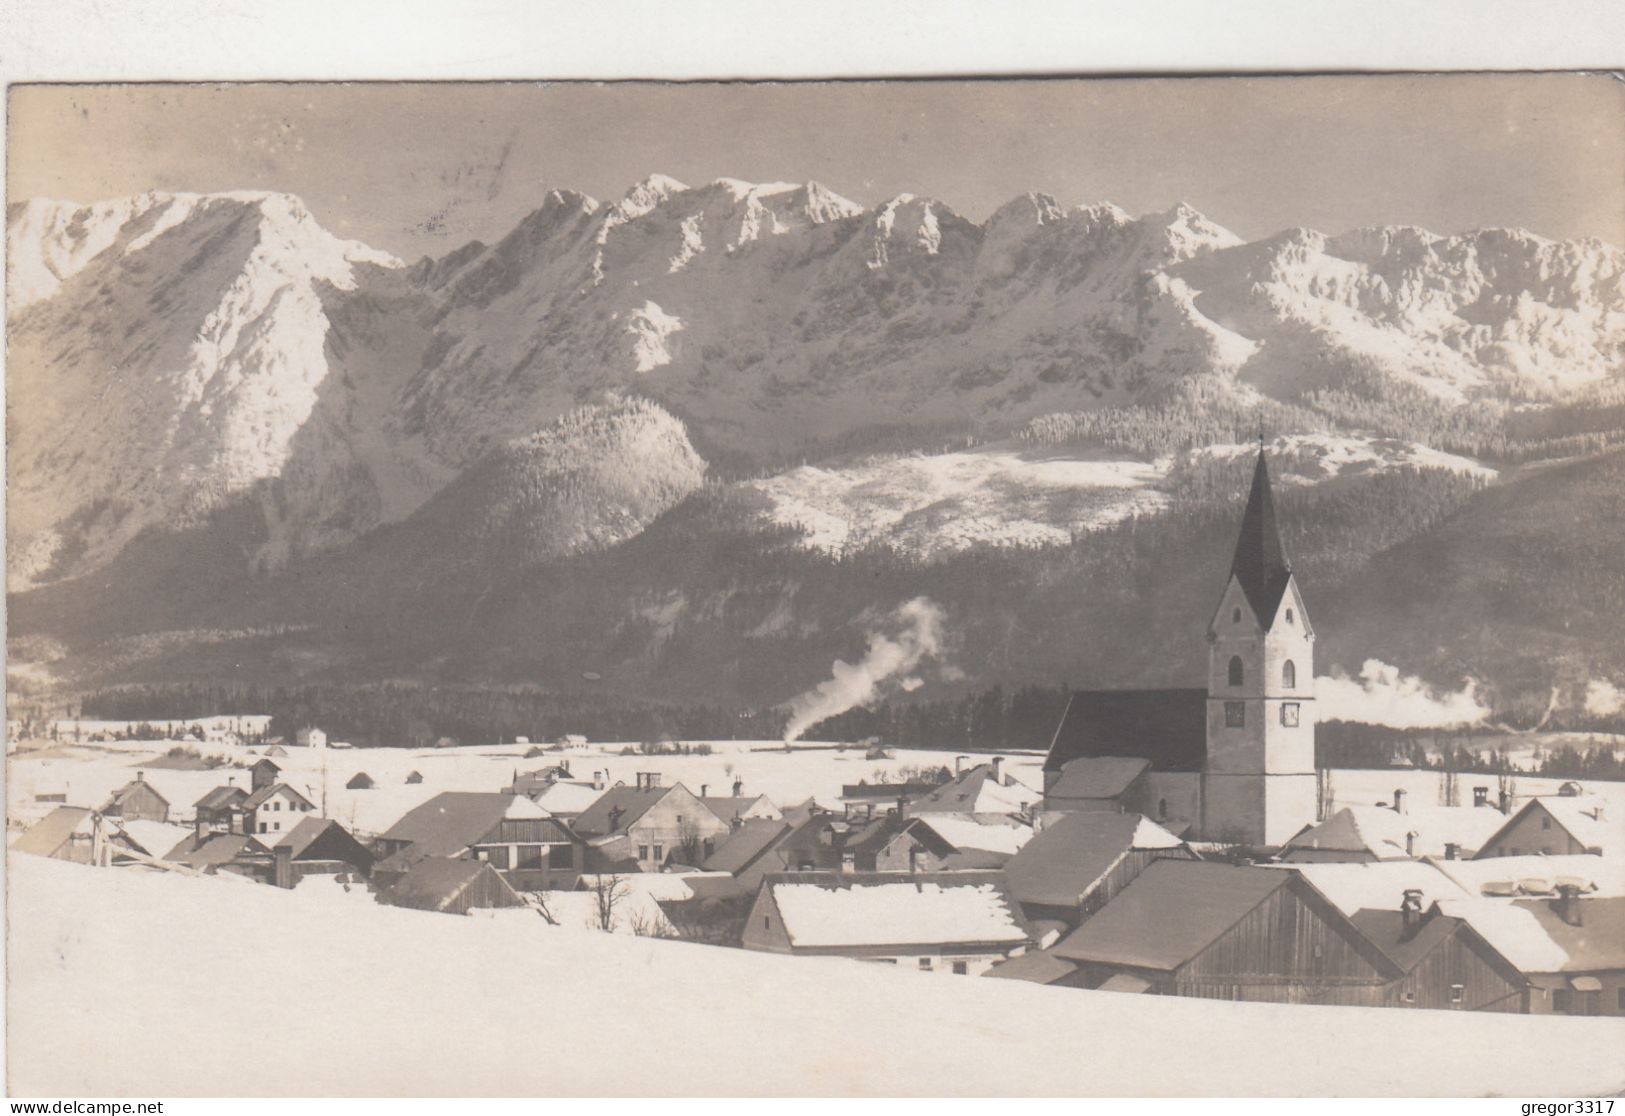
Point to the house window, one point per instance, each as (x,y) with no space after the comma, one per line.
(659,853)
(1289,714)
(1456,991)
(1235,616)
(265,827)
(960,969)
(1546,823)
(767,922)
(1162,807)
(925,963)
(499,857)
(528,856)
(643,852)
(1289,616)
(1289,674)
(1562,1000)
(1235,714)
(1237,671)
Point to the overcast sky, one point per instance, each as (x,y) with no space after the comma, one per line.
(423,168)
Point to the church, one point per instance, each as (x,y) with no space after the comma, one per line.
(1233,761)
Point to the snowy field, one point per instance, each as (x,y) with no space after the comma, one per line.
(109,964)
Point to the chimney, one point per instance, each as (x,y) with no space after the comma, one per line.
(705,790)
(1410,843)
(1598,812)
(615,814)
(1506,802)
(1568,905)
(998,770)
(283,866)
(1481,796)
(739,787)
(141,776)
(200,831)
(734,823)
(1452,851)
(598,781)
(902,805)
(1410,911)
(849,862)
(959,764)
(1399,801)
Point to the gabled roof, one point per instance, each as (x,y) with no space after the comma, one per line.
(976,792)
(303,835)
(868,792)
(130,788)
(1167,727)
(963,834)
(566,797)
(1379,885)
(1386,930)
(633,802)
(835,910)
(1170,913)
(221,797)
(52,831)
(265,763)
(1260,563)
(1065,861)
(215,849)
(1096,777)
(1370,830)
(434,883)
(1578,815)
(453,820)
(265,794)
(1510,876)
(726,808)
(1512,930)
(741,847)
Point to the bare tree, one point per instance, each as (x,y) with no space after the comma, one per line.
(608,892)
(538,900)
(1324,798)
(690,844)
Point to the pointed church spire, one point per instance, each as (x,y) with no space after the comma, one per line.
(1260,564)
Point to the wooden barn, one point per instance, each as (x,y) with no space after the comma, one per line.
(317,847)
(439,883)
(137,800)
(533,851)
(359,781)
(1444,962)
(1216,931)
(70,833)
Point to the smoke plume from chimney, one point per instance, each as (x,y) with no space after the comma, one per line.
(891,659)
(1381,695)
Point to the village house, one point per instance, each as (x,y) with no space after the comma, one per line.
(1571,949)
(274,809)
(137,800)
(239,853)
(1079,860)
(985,791)
(1512,877)
(359,781)
(220,808)
(953,922)
(744,852)
(310,737)
(1557,825)
(1218,931)
(735,809)
(1231,761)
(660,824)
(861,800)
(532,850)
(1393,832)
(567,798)
(450,886)
(1443,962)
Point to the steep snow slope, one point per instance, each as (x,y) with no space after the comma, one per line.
(85,933)
(174,366)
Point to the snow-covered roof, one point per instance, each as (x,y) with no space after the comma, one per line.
(915,912)
(1378,886)
(659,886)
(978,792)
(568,798)
(155,838)
(1514,931)
(1390,835)
(968,833)
(1597,876)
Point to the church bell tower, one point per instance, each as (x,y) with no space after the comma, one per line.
(1258,783)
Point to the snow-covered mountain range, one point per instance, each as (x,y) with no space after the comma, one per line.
(176,355)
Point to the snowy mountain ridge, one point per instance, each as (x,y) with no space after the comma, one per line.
(177,354)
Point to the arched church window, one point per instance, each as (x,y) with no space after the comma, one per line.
(1237,672)
(1289,674)
(1162,807)
(1289,616)
(1235,616)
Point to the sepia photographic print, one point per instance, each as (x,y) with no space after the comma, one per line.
(1064,587)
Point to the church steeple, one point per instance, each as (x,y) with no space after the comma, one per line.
(1260,564)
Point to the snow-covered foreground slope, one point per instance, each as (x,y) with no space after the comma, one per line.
(350,999)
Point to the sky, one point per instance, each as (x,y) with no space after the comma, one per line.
(422,168)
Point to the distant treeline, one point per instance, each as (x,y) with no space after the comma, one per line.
(1343,744)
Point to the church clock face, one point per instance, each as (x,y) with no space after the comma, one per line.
(1289,714)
